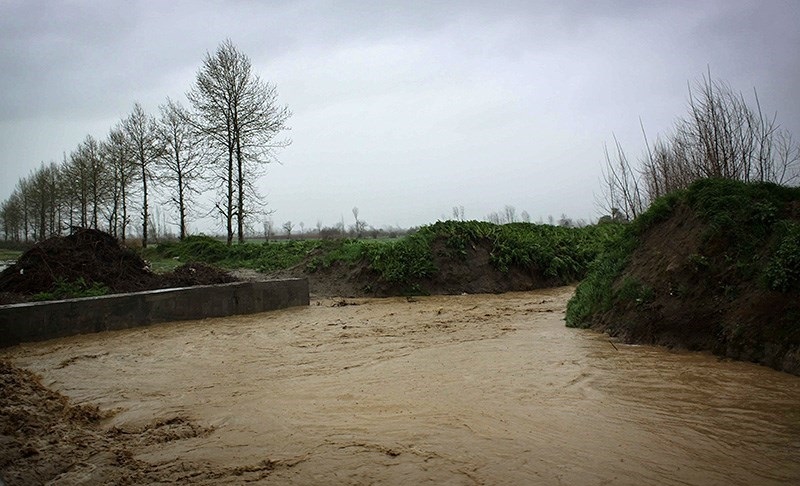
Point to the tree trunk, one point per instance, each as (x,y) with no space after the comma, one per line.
(145,214)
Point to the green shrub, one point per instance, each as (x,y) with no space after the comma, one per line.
(783,271)
(741,219)
(63,289)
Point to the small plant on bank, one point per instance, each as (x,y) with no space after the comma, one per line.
(72,290)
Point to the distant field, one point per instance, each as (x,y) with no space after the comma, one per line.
(9,255)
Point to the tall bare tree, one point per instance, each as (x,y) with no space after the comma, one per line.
(118,155)
(96,177)
(11,217)
(141,134)
(181,164)
(238,113)
(721,137)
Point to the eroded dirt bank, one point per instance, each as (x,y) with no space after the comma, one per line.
(474,389)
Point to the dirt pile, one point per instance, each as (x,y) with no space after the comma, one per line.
(87,254)
(472,273)
(718,269)
(44,438)
(88,258)
(195,273)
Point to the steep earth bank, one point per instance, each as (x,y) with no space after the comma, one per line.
(716,267)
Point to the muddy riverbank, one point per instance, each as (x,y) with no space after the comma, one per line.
(472,389)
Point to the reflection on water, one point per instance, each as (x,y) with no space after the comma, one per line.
(439,390)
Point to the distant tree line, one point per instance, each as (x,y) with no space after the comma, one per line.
(219,144)
(722,136)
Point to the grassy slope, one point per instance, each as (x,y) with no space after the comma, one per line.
(714,267)
(561,255)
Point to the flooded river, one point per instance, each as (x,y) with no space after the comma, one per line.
(442,390)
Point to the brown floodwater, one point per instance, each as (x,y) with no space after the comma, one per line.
(472,389)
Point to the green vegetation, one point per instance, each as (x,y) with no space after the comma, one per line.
(70,290)
(783,270)
(560,254)
(9,255)
(749,231)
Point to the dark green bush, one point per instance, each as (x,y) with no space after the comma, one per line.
(783,270)
(63,289)
(741,218)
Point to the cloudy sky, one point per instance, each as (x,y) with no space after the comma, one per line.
(401,108)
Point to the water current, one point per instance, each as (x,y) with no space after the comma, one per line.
(472,389)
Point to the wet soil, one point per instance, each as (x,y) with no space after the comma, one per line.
(91,257)
(468,389)
(702,300)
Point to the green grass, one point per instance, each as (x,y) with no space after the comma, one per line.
(562,254)
(71,290)
(9,255)
(746,220)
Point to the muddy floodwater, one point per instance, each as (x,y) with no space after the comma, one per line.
(472,389)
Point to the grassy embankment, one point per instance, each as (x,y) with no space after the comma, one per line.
(716,267)
(560,255)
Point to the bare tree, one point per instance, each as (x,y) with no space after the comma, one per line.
(510,214)
(141,134)
(181,164)
(11,217)
(721,137)
(621,184)
(119,158)
(268,227)
(287,227)
(94,170)
(359,225)
(239,114)
(526,218)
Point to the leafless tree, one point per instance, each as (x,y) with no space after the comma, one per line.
(141,134)
(94,170)
(621,184)
(721,137)
(287,227)
(510,214)
(117,152)
(181,165)
(268,228)
(11,217)
(526,218)
(239,114)
(359,226)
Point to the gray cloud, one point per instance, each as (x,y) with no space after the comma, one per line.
(401,108)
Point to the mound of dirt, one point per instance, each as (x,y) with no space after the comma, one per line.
(93,257)
(472,273)
(195,273)
(46,439)
(40,430)
(87,254)
(701,282)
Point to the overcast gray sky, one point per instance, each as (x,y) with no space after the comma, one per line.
(404,109)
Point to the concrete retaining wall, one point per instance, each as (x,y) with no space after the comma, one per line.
(47,320)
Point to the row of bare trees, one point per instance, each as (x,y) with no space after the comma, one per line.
(722,136)
(220,144)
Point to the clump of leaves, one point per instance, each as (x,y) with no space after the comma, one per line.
(63,289)
(783,271)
